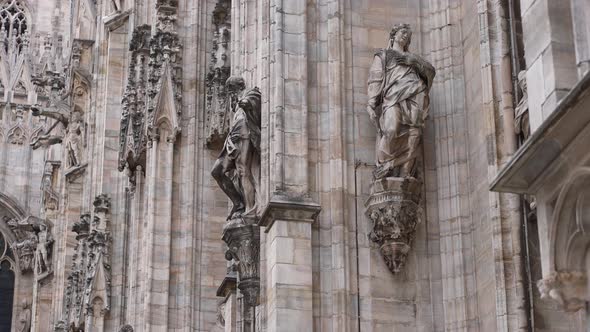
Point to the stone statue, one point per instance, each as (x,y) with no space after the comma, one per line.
(74,140)
(41,254)
(233,169)
(26,251)
(23,323)
(396,79)
(521,117)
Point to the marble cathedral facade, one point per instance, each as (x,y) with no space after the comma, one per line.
(294,165)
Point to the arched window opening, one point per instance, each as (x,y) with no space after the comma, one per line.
(7,276)
(13,24)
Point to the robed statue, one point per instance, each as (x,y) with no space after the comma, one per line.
(236,167)
(397,79)
(399,85)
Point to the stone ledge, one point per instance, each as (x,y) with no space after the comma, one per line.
(289,209)
(537,155)
(228,285)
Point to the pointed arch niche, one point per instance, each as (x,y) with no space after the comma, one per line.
(7,280)
(569,245)
(16,286)
(15,71)
(163,131)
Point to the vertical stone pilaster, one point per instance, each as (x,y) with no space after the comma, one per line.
(289,289)
(550,55)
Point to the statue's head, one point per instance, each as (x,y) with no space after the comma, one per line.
(76,115)
(235,84)
(522,81)
(401,34)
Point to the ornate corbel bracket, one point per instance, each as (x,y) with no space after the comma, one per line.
(394,210)
(244,247)
(568,288)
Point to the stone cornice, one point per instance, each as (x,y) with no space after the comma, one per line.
(539,153)
(289,209)
(228,285)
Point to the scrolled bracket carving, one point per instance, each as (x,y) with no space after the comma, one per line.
(395,211)
(244,247)
(568,288)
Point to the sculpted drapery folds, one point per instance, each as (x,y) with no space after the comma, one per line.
(233,170)
(396,79)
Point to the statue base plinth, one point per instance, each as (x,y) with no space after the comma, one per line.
(243,243)
(394,209)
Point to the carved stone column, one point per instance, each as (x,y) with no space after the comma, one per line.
(244,247)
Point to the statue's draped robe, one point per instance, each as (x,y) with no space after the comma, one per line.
(394,87)
(245,129)
(245,125)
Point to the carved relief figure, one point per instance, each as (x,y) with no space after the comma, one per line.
(50,196)
(521,116)
(74,140)
(26,251)
(233,169)
(41,255)
(24,318)
(218,108)
(396,79)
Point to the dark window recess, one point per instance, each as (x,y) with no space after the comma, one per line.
(6,295)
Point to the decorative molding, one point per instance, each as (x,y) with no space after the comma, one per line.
(289,209)
(219,99)
(568,288)
(126,328)
(394,210)
(33,245)
(244,247)
(89,282)
(165,72)
(132,139)
(153,95)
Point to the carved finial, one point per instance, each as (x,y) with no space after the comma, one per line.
(102,203)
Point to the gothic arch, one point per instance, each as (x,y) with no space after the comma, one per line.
(569,236)
(23,283)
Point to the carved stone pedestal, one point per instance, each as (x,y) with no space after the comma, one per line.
(244,247)
(394,209)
